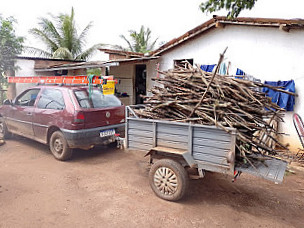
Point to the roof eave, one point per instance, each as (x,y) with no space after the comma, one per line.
(87,65)
(283,24)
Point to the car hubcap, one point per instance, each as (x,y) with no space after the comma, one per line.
(1,128)
(165,180)
(58,146)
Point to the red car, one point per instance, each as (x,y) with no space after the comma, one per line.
(64,117)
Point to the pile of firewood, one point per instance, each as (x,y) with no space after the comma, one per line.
(193,95)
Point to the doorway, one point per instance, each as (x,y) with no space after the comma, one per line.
(140,83)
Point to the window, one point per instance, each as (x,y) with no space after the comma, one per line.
(27,98)
(182,62)
(51,99)
(98,100)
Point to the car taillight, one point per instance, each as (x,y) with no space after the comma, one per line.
(79,118)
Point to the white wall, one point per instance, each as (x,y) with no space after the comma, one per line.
(266,53)
(25,67)
(126,74)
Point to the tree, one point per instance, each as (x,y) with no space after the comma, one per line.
(233,6)
(140,42)
(10,47)
(61,38)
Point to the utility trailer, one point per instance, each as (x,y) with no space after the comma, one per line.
(177,148)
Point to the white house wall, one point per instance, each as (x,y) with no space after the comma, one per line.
(125,73)
(25,67)
(265,53)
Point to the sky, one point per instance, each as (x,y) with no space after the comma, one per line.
(167,19)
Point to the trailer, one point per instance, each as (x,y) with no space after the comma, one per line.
(176,148)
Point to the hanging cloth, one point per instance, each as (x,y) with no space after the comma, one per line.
(208,68)
(239,72)
(284,100)
(223,69)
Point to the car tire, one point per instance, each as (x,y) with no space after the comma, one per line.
(168,179)
(3,129)
(59,147)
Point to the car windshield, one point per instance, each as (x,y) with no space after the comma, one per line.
(98,100)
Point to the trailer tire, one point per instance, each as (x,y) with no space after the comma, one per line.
(168,179)
(59,147)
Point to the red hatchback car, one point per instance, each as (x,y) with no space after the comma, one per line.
(64,117)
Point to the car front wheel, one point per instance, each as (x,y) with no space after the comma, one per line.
(3,129)
(59,147)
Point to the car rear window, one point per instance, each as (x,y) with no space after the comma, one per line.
(98,100)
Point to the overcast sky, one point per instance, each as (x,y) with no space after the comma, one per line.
(167,19)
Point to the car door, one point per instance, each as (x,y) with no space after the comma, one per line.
(50,111)
(20,119)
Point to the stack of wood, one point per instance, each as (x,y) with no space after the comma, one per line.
(193,95)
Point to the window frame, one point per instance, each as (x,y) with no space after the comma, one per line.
(31,102)
(42,95)
(182,62)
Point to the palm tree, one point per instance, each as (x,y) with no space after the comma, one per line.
(140,42)
(61,38)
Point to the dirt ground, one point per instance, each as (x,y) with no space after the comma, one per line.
(109,188)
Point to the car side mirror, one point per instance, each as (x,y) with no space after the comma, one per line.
(7,102)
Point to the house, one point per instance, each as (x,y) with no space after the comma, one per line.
(34,66)
(266,48)
(129,68)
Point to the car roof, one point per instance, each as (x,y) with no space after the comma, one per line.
(59,87)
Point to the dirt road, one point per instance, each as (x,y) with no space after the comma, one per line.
(109,188)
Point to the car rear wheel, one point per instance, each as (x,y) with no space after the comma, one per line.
(168,179)
(59,147)
(3,129)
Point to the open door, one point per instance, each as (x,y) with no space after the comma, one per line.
(140,83)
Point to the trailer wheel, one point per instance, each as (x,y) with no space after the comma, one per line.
(168,179)
(59,147)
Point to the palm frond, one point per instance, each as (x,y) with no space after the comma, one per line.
(60,35)
(48,28)
(36,52)
(44,38)
(128,42)
(84,33)
(89,52)
(63,53)
(140,42)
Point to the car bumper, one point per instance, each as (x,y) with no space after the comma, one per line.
(87,138)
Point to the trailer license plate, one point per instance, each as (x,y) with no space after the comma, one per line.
(107,133)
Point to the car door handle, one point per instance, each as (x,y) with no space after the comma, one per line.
(29,114)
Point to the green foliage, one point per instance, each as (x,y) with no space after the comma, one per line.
(61,38)
(233,6)
(10,47)
(94,71)
(140,42)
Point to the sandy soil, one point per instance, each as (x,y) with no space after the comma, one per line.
(109,188)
